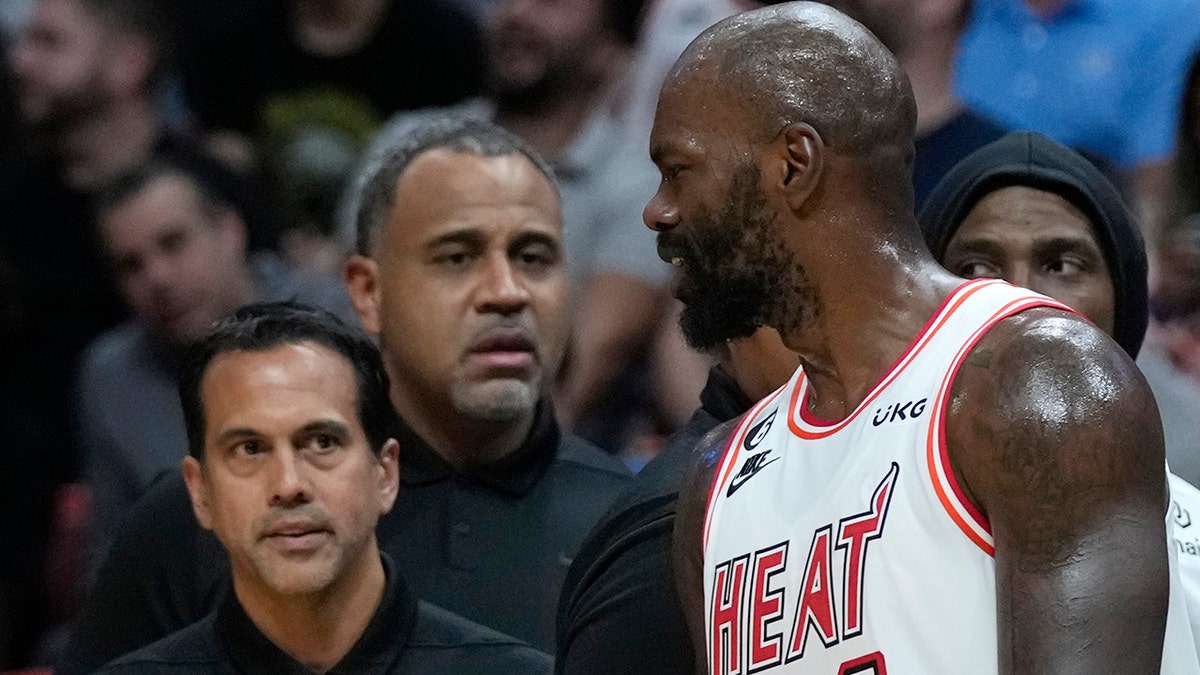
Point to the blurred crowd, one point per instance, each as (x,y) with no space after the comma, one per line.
(164,162)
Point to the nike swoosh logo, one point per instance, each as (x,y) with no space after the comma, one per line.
(735,484)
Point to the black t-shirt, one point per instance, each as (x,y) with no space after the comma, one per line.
(404,636)
(257,80)
(619,613)
(939,150)
(493,547)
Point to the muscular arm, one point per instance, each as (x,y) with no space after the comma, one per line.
(1056,438)
(687,546)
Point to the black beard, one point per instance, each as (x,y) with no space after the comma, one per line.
(734,260)
(529,96)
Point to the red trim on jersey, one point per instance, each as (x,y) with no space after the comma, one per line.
(729,460)
(939,318)
(936,440)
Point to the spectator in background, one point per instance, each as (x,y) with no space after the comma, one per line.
(1101,76)
(924,34)
(291,466)
(302,85)
(1036,214)
(1171,358)
(667,26)
(461,277)
(554,74)
(86,74)
(1185,186)
(178,249)
(1041,216)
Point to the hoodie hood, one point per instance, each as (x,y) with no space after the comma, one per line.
(1029,159)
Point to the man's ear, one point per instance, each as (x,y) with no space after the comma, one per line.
(361,275)
(801,160)
(197,485)
(389,475)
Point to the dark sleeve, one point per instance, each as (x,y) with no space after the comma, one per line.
(222,63)
(450,44)
(619,612)
(162,573)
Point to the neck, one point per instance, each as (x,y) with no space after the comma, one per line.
(335,27)
(319,629)
(464,443)
(929,65)
(109,143)
(553,124)
(862,323)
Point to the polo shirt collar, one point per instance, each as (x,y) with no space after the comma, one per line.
(515,474)
(381,644)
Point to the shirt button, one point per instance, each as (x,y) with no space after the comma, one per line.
(462,528)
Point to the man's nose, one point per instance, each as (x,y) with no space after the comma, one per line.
(158,272)
(660,215)
(1022,275)
(503,288)
(289,485)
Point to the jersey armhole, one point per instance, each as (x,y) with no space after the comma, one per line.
(946,484)
(729,460)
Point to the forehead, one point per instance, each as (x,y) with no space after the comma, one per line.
(164,200)
(287,384)
(1022,214)
(64,16)
(443,190)
(694,115)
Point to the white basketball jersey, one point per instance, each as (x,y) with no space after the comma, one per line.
(848,547)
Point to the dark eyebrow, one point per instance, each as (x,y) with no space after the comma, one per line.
(330,427)
(975,245)
(237,433)
(659,151)
(534,237)
(466,237)
(1059,244)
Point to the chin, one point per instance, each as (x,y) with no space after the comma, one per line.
(501,400)
(298,579)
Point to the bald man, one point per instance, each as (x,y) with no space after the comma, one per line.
(962,476)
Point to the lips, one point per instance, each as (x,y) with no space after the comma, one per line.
(504,349)
(296,536)
(673,248)
(503,341)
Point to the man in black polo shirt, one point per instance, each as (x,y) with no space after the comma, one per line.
(290,465)
(460,273)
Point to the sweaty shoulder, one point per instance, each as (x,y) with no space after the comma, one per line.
(443,642)
(1045,403)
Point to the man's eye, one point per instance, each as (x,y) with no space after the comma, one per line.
(537,257)
(1066,266)
(453,259)
(324,442)
(249,449)
(977,269)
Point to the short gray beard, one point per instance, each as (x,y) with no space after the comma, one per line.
(501,400)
